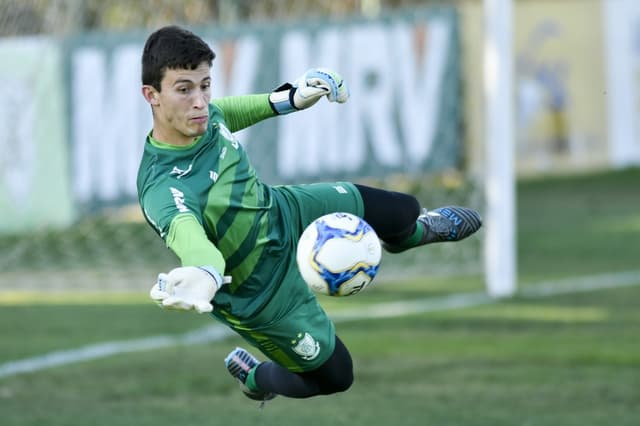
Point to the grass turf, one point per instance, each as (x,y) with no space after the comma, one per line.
(564,360)
(570,360)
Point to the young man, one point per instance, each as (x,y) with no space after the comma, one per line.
(236,237)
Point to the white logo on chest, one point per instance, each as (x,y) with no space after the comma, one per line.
(178,199)
(226,133)
(179,172)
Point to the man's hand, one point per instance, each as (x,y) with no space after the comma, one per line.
(308,89)
(187,288)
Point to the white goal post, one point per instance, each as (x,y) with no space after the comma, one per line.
(499,217)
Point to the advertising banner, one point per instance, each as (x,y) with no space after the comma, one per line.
(34,174)
(402,117)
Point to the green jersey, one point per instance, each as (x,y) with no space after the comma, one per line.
(206,201)
(212,181)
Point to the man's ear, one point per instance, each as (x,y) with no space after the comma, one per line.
(151,95)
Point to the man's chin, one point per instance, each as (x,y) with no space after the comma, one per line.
(199,131)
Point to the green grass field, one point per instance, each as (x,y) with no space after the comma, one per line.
(571,359)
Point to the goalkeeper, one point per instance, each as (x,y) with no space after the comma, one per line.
(236,237)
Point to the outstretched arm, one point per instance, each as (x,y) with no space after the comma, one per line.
(244,111)
(305,91)
(308,89)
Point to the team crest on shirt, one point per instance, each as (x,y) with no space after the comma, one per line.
(306,346)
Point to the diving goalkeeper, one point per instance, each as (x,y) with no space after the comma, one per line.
(236,236)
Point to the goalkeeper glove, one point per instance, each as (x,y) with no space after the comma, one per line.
(308,89)
(187,288)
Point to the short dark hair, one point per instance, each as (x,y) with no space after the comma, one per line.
(172,47)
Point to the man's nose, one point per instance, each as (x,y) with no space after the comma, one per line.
(200,100)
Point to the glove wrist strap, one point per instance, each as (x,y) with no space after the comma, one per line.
(215,275)
(281,99)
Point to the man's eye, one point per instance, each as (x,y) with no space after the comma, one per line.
(183,89)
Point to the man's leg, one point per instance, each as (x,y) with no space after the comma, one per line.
(397,219)
(267,379)
(335,375)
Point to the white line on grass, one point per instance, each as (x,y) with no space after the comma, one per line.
(106,349)
(214,333)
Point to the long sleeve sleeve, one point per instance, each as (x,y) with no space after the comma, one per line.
(188,240)
(244,111)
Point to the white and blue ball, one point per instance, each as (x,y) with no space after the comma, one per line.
(338,254)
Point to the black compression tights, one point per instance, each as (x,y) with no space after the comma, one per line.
(391,214)
(335,375)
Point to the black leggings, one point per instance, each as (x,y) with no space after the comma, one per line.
(393,216)
(335,375)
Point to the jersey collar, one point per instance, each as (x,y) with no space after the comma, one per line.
(164,145)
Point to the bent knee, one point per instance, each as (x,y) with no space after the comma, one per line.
(337,383)
(344,384)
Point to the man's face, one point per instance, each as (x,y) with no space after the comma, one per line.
(181,110)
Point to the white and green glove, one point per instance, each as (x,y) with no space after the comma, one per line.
(308,89)
(187,288)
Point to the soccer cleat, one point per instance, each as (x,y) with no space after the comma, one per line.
(239,363)
(452,223)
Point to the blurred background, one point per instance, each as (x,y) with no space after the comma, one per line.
(73,242)
(75,118)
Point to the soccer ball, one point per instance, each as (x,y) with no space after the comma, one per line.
(338,254)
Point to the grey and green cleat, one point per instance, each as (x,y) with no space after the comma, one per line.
(451,223)
(239,363)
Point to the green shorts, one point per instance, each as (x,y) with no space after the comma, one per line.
(292,329)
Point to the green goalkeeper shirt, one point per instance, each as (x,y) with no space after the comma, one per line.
(206,201)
